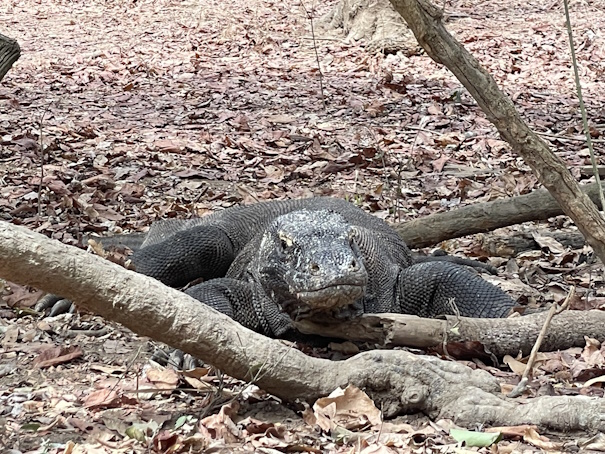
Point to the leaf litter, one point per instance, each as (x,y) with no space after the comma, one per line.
(162,109)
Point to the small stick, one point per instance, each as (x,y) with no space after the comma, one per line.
(554,310)
(542,134)
(309,14)
(87,332)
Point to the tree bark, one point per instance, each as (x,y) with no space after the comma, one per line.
(501,336)
(9,54)
(484,217)
(373,21)
(424,19)
(398,381)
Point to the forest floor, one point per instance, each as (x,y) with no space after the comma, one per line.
(160,109)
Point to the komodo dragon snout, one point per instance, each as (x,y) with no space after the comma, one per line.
(309,270)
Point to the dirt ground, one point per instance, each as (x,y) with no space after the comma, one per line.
(160,109)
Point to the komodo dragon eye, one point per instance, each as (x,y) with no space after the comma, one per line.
(285,242)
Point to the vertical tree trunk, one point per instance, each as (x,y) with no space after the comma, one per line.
(9,54)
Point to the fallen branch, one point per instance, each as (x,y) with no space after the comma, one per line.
(512,244)
(484,217)
(398,381)
(499,336)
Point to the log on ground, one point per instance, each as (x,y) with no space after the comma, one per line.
(484,217)
(499,336)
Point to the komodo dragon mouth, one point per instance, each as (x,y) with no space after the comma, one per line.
(332,297)
(334,301)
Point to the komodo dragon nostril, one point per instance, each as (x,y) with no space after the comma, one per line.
(314,268)
(354,265)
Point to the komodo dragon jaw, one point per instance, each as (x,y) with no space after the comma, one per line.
(312,270)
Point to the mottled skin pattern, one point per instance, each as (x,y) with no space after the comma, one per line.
(272,262)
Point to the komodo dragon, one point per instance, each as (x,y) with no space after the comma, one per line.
(270,263)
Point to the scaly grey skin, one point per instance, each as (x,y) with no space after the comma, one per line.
(319,257)
(316,264)
(273,262)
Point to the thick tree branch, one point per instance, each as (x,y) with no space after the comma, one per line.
(501,336)
(424,19)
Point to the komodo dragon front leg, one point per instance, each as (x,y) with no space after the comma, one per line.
(447,288)
(200,252)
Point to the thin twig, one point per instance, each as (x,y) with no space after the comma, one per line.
(399,192)
(313,38)
(41,162)
(480,136)
(554,310)
(128,368)
(87,332)
(321,83)
(446,328)
(582,106)
(562,137)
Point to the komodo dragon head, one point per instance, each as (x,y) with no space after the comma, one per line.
(309,263)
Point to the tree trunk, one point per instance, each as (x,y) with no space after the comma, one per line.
(398,381)
(424,19)
(9,54)
(373,21)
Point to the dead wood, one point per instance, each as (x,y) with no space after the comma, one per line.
(500,337)
(554,310)
(398,381)
(484,217)
(9,54)
(424,19)
(511,245)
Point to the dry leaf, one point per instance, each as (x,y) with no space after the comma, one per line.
(351,409)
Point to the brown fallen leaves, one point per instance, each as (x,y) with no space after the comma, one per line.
(350,409)
(191,107)
(53,355)
(573,371)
